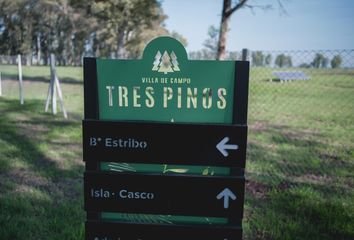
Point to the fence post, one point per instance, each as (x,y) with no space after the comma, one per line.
(54,86)
(53,91)
(57,84)
(52,94)
(244,54)
(20,77)
(0,86)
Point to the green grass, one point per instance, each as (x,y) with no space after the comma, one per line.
(41,168)
(299,170)
(300,163)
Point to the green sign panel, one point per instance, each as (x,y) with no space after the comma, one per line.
(165,86)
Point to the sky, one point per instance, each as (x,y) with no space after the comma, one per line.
(308,24)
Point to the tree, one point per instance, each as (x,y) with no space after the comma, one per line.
(283,61)
(233,55)
(119,20)
(336,61)
(280,60)
(16,27)
(142,34)
(179,37)
(62,28)
(268,60)
(202,54)
(72,29)
(304,65)
(229,8)
(211,43)
(316,63)
(320,61)
(324,63)
(257,59)
(210,46)
(289,61)
(43,26)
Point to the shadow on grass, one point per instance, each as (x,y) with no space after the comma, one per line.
(66,80)
(298,213)
(26,128)
(293,191)
(29,216)
(41,192)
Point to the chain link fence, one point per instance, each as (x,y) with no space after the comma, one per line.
(13,60)
(300,155)
(286,87)
(301,137)
(290,86)
(8,60)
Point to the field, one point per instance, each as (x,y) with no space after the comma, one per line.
(300,162)
(301,157)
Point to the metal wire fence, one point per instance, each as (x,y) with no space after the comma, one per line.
(301,124)
(289,86)
(286,87)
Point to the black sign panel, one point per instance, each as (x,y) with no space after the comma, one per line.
(165,194)
(129,231)
(187,144)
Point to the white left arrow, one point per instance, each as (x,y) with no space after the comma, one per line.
(226,194)
(222,146)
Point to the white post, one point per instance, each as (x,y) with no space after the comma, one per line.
(53,91)
(20,77)
(60,96)
(48,96)
(54,86)
(0,86)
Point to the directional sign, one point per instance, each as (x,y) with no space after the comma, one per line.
(226,194)
(164,110)
(187,144)
(186,196)
(129,231)
(222,146)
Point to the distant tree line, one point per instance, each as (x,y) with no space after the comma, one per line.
(259,59)
(209,51)
(72,29)
(320,61)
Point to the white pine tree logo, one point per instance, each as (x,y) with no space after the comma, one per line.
(165,63)
(157,61)
(174,62)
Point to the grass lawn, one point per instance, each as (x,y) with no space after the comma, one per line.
(41,168)
(300,163)
(299,170)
